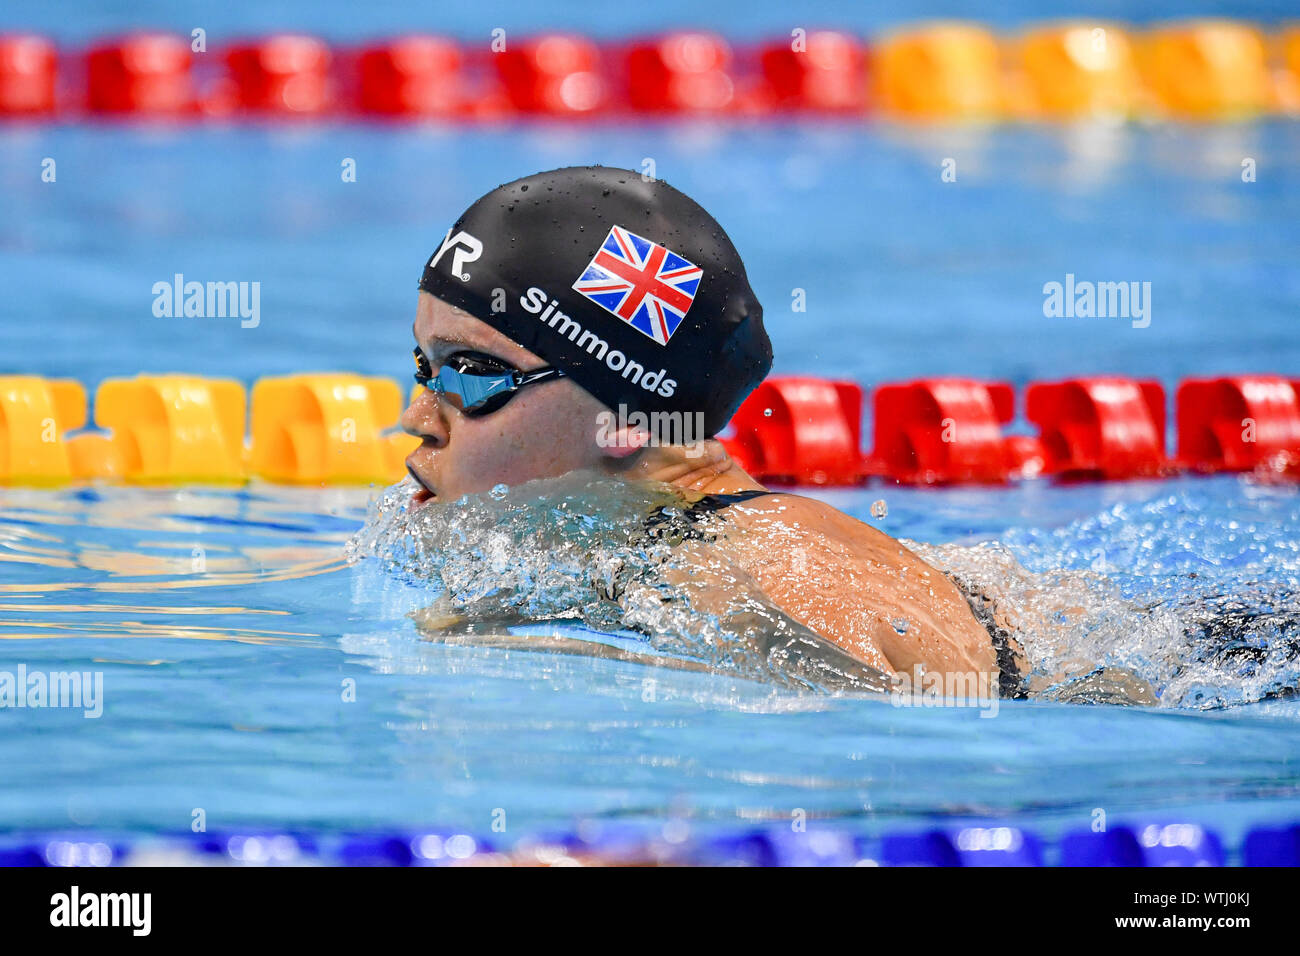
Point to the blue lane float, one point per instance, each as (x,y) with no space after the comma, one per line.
(1154,844)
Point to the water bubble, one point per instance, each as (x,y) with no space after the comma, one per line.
(879,509)
(499,491)
(767,413)
(900,624)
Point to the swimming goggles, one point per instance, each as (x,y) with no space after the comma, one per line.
(477,384)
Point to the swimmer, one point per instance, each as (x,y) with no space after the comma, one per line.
(584,319)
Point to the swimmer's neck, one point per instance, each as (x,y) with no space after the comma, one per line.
(713,472)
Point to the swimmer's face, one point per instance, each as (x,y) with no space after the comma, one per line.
(545,430)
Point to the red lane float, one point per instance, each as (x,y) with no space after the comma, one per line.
(555,74)
(947,70)
(410,76)
(680,72)
(1238,423)
(1100,427)
(147,74)
(28,66)
(823,71)
(942,431)
(790,430)
(800,431)
(284,75)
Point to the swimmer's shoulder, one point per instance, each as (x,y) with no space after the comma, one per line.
(793,511)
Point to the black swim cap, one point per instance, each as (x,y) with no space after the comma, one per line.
(629,286)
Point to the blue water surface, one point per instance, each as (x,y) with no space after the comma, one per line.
(901,273)
(267,686)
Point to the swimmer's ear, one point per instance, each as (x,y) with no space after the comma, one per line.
(623,441)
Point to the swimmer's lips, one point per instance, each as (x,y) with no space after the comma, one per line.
(424,492)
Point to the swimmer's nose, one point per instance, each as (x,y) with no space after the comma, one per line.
(424,419)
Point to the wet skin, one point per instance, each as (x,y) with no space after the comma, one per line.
(858,587)
(544,431)
(847,581)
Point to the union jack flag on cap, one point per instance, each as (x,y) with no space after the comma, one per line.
(645,284)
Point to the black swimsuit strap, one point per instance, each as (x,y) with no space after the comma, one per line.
(1012,684)
(711,503)
(697,511)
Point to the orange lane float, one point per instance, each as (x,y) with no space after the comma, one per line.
(327,428)
(1207,69)
(1286,71)
(939,71)
(35,416)
(171,429)
(1076,70)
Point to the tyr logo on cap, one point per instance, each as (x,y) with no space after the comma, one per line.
(467,249)
(645,284)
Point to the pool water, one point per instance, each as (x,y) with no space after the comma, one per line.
(252,674)
(226,690)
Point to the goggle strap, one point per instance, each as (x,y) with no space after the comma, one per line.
(538,375)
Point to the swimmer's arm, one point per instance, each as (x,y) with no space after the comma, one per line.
(716,586)
(850,582)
